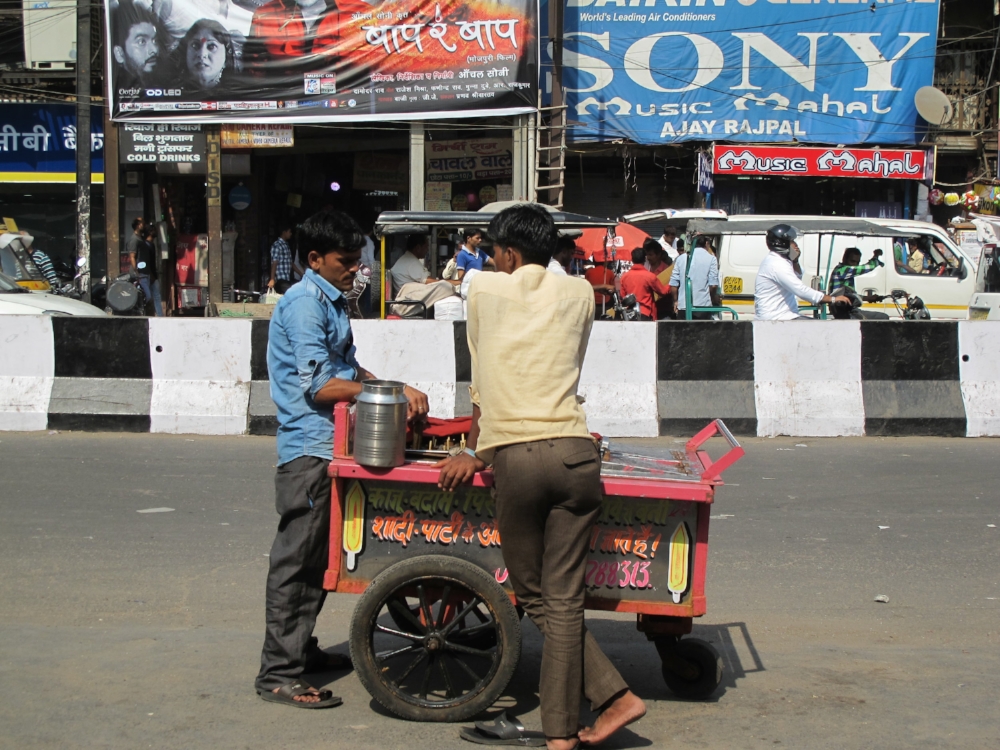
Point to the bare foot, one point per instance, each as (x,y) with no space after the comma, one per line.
(561,743)
(311,697)
(622,711)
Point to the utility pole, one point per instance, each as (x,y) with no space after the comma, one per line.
(83,144)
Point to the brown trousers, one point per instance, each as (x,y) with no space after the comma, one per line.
(548,496)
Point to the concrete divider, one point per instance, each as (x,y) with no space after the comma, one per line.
(807,378)
(910,378)
(705,373)
(979,369)
(209,376)
(618,380)
(201,375)
(27,369)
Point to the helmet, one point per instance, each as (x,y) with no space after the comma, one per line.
(780,236)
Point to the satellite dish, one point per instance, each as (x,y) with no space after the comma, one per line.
(933,105)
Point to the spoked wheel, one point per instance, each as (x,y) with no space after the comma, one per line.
(435,638)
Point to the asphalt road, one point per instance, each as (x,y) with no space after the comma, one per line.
(121,629)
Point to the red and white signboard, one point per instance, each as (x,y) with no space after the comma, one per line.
(792,161)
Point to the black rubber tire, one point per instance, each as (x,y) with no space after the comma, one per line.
(456,572)
(703,656)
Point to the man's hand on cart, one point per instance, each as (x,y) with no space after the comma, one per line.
(416,407)
(456,470)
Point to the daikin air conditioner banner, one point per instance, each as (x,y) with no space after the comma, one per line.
(815,71)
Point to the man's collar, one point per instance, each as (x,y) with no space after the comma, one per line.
(325,286)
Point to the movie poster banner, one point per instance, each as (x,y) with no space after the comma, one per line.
(307,61)
(662,71)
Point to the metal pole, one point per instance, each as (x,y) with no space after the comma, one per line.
(112,218)
(213,196)
(532,188)
(83,145)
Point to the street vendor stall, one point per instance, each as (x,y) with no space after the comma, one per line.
(436,634)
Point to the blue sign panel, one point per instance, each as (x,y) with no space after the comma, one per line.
(38,142)
(812,71)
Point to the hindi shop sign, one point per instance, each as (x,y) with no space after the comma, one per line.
(790,161)
(162,144)
(257,136)
(469,159)
(38,143)
(747,70)
(202,61)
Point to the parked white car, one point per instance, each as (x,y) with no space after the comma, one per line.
(16,300)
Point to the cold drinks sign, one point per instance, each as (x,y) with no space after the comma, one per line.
(663,71)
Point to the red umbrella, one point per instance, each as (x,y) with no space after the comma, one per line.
(596,243)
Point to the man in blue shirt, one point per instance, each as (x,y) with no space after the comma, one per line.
(469,257)
(704,274)
(312,365)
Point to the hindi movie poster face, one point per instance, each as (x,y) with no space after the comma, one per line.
(307,61)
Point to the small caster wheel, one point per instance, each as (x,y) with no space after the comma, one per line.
(692,668)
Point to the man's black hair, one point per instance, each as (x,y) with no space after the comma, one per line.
(471,232)
(669,229)
(565,243)
(136,222)
(527,228)
(127,15)
(649,245)
(851,251)
(329,231)
(415,241)
(702,241)
(286,226)
(638,256)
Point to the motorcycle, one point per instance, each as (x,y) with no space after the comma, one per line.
(626,309)
(909,307)
(124,296)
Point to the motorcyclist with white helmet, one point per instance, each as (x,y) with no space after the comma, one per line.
(778,286)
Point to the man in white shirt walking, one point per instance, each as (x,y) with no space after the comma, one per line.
(704,275)
(778,286)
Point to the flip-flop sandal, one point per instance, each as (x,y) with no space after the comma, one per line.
(502,731)
(286,695)
(324,662)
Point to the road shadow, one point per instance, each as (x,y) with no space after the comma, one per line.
(739,653)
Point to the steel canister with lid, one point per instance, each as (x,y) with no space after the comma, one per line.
(380,424)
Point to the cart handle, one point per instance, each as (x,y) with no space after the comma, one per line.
(714,469)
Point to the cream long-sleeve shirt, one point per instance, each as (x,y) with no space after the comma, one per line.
(528,333)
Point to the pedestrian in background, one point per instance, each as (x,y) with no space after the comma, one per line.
(644,285)
(41,259)
(668,241)
(470,257)
(563,256)
(149,278)
(659,263)
(704,275)
(133,245)
(282,263)
(602,277)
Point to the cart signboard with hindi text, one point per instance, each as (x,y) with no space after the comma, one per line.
(640,549)
(257,62)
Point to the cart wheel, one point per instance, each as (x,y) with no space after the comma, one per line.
(432,669)
(692,668)
(407,602)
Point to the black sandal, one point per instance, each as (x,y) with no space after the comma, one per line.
(502,731)
(287,692)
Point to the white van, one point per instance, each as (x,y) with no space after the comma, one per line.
(945,281)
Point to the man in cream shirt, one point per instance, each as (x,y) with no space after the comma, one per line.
(528,331)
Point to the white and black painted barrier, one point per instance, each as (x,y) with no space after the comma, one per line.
(209,376)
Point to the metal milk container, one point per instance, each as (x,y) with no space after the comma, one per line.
(380,424)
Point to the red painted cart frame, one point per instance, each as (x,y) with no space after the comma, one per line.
(699,489)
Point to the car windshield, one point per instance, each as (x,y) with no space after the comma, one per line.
(8,285)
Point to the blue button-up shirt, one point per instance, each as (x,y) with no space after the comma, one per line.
(309,342)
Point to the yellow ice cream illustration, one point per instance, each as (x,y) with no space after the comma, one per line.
(354,523)
(680,556)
